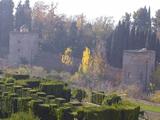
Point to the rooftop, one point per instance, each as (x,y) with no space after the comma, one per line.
(143,50)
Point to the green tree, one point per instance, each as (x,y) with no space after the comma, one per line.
(19,16)
(27,14)
(142,19)
(119,42)
(156,21)
(23,16)
(39,17)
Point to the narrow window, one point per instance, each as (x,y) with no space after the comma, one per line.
(129,75)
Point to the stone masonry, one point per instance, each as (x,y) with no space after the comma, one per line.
(23,46)
(138,66)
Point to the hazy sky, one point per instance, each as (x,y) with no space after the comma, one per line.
(96,8)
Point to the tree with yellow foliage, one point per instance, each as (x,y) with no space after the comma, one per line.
(67,57)
(86,59)
(98,66)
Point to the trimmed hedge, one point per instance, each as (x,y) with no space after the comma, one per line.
(65,113)
(52,89)
(23,104)
(104,113)
(78,94)
(46,112)
(18,76)
(57,89)
(33,83)
(112,99)
(51,101)
(97,97)
(18,90)
(33,106)
(60,101)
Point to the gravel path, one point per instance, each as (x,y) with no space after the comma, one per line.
(153,115)
(149,114)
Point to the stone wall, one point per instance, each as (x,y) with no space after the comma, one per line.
(23,46)
(138,66)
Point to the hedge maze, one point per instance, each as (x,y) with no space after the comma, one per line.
(52,100)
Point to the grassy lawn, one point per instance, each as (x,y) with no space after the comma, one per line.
(147,107)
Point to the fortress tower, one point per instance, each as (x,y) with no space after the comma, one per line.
(23,46)
(138,66)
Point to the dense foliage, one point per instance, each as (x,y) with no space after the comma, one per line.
(131,35)
(33,99)
(60,32)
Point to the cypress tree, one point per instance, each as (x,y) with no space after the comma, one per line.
(23,15)
(19,16)
(27,14)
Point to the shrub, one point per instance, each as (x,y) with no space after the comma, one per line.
(67,94)
(23,104)
(50,97)
(108,113)
(33,106)
(33,83)
(78,94)
(57,89)
(60,101)
(97,97)
(52,89)
(41,94)
(20,77)
(18,90)
(46,112)
(111,99)
(9,87)
(65,113)
(10,80)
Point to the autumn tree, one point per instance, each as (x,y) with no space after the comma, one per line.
(86,59)
(39,16)
(98,65)
(67,57)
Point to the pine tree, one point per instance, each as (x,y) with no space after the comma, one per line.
(156,21)
(142,19)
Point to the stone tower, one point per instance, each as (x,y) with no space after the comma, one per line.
(138,66)
(23,46)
